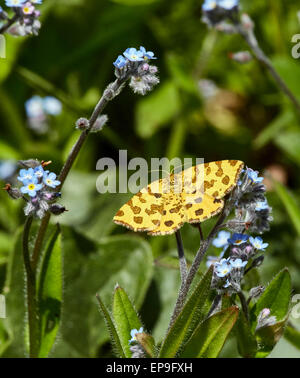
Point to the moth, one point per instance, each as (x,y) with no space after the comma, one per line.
(192,196)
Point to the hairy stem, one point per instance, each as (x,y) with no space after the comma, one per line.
(184,288)
(182,260)
(69,163)
(33,319)
(244,305)
(252,42)
(10,21)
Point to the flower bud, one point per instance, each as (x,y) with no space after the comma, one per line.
(82,124)
(31,163)
(57,209)
(14,193)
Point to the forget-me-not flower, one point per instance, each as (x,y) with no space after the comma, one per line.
(258,243)
(238,239)
(120,62)
(36,1)
(26,175)
(14,3)
(253,176)
(209,5)
(28,8)
(238,263)
(50,180)
(223,268)
(133,333)
(34,107)
(147,54)
(133,54)
(31,187)
(52,105)
(39,171)
(228,4)
(261,205)
(221,240)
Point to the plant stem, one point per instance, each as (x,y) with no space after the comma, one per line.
(252,42)
(184,288)
(33,319)
(115,86)
(31,265)
(182,260)
(244,305)
(10,21)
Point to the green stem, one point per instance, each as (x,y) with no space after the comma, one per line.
(115,87)
(252,42)
(33,319)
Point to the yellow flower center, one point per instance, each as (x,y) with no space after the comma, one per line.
(31,186)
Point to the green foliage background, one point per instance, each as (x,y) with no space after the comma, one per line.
(249,119)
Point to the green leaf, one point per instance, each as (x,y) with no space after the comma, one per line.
(247,345)
(268,337)
(290,204)
(276,297)
(187,319)
(274,129)
(147,343)
(288,141)
(209,337)
(115,340)
(50,294)
(125,317)
(15,302)
(165,101)
(92,267)
(293,336)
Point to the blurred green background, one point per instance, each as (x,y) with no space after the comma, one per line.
(206,105)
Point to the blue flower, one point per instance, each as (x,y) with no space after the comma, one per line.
(228,4)
(222,239)
(26,175)
(253,176)
(238,239)
(39,171)
(52,105)
(31,187)
(50,179)
(261,206)
(14,3)
(238,263)
(258,243)
(36,1)
(34,107)
(120,62)
(7,169)
(147,54)
(133,55)
(209,5)
(133,333)
(223,268)
(213,259)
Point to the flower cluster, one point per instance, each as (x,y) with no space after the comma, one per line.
(133,334)
(215,11)
(240,251)
(38,189)
(134,65)
(26,17)
(38,110)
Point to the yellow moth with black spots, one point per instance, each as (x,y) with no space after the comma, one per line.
(192,196)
